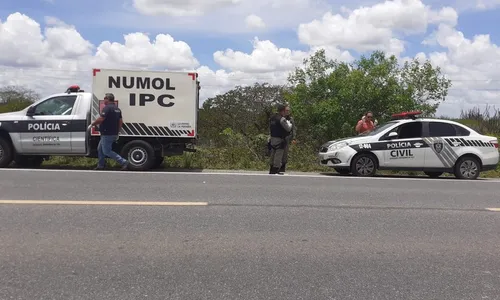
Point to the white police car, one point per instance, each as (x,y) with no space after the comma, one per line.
(408,143)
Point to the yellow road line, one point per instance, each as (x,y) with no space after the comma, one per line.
(494,209)
(75,202)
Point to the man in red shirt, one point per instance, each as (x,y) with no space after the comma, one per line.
(366,123)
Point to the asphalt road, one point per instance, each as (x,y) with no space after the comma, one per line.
(249,236)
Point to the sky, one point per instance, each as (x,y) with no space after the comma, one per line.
(47,45)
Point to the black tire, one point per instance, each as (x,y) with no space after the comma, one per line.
(342,171)
(28,161)
(364,165)
(6,153)
(140,155)
(467,167)
(433,174)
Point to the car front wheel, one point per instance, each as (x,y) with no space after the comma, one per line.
(364,165)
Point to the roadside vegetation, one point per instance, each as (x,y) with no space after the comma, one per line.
(327,98)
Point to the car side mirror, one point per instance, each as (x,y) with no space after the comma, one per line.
(31,111)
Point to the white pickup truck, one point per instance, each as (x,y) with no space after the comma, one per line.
(160,114)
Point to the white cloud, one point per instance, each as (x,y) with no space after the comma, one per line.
(471,64)
(265,57)
(487,4)
(375,27)
(180,8)
(220,17)
(22,43)
(254,22)
(50,60)
(138,50)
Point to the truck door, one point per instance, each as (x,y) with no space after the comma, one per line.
(406,149)
(48,130)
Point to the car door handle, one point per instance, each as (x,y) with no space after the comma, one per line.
(64,123)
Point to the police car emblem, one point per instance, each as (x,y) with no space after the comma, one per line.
(438,147)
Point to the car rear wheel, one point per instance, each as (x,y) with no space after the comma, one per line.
(364,165)
(467,167)
(433,174)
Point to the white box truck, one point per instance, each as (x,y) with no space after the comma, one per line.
(160,118)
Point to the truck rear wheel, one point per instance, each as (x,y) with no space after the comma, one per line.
(6,153)
(140,155)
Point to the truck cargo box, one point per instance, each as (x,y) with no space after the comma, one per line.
(153,103)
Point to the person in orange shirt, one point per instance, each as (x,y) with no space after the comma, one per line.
(366,124)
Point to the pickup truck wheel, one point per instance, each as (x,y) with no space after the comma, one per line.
(140,155)
(6,155)
(28,161)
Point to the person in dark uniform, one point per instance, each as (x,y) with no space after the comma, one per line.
(110,122)
(280,127)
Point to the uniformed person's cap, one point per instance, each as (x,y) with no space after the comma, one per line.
(109,96)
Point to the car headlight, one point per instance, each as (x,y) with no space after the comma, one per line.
(337,146)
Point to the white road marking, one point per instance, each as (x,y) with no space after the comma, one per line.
(110,202)
(243,173)
(494,209)
(163,203)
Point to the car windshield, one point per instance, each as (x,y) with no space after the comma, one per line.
(379,129)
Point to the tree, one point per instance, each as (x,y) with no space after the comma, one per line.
(240,115)
(425,85)
(329,96)
(14,98)
(17,93)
